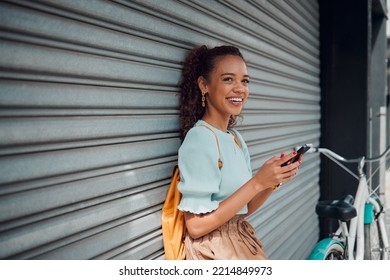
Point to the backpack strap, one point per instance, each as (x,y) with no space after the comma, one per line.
(236,139)
(220,164)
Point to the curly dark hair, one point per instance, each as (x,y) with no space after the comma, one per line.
(199,62)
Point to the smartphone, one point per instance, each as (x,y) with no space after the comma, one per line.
(300,151)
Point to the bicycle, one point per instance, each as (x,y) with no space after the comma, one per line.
(365,237)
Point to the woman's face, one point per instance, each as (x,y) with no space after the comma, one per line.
(227,87)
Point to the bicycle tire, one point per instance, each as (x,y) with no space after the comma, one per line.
(328,249)
(373,245)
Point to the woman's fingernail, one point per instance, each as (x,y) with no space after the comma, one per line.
(294,153)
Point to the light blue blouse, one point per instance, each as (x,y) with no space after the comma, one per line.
(202,184)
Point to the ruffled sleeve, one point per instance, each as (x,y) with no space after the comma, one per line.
(200,176)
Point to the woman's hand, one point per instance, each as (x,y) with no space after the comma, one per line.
(272,174)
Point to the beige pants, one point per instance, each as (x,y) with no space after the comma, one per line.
(234,240)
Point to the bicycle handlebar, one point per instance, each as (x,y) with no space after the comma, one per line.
(378,157)
(340,158)
(336,157)
(333,154)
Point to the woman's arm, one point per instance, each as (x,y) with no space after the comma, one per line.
(270,174)
(260,198)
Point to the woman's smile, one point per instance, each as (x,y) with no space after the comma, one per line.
(235,101)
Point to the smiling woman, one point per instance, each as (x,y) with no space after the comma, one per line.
(227,89)
(216,198)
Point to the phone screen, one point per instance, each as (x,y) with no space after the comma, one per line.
(301,151)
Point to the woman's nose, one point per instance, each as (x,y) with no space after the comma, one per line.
(239,88)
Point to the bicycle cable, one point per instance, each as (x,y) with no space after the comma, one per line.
(366,160)
(341,165)
(369,160)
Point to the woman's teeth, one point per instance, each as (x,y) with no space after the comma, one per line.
(234,99)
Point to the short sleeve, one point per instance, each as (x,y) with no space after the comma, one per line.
(200,176)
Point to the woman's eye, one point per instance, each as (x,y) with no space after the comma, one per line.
(246,81)
(228,79)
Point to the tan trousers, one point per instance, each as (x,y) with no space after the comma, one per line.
(234,240)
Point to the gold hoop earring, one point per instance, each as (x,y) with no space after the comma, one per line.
(203,99)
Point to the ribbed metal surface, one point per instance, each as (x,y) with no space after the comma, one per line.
(89,119)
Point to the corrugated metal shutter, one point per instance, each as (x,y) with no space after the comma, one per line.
(89,119)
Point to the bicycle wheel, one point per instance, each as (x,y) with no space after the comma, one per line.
(373,245)
(328,249)
(335,252)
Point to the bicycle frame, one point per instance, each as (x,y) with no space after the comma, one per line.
(352,238)
(356,227)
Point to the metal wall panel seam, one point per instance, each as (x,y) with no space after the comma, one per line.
(312,10)
(41,130)
(242,19)
(307,14)
(297,84)
(290,24)
(42,77)
(107,13)
(64,198)
(262,102)
(293,12)
(298,135)
(20,112)
(27,167)
(300,91)
(97,241)
(268,131)
(293,75)
(28,94)
(77,176)
(48,147)
(47,29)
(148,215)
(104,14)
(249,41)
(32,59)
(276,89)
(264,20)
(89,50)
(81,218)
(135,249)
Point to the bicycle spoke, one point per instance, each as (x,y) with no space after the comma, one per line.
(373,242)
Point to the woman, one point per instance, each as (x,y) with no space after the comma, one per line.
(216,200)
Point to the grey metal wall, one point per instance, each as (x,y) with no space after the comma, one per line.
(89,119)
